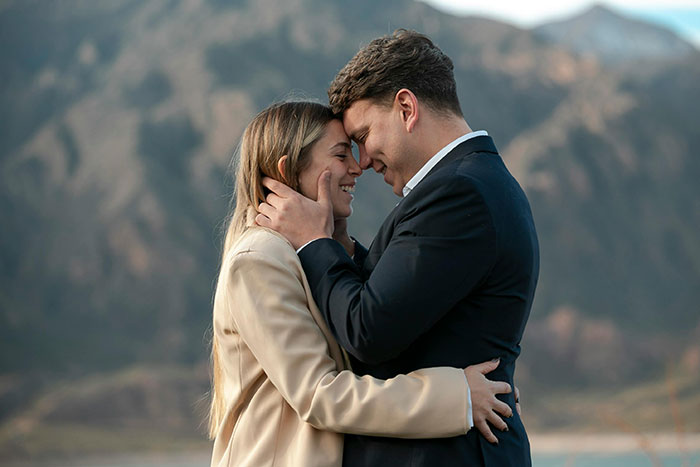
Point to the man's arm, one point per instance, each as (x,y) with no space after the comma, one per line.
(272,318)
(442,247)
(304,223)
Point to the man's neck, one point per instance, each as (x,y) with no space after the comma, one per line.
(441,131)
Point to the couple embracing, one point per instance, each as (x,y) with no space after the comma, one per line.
(326,353)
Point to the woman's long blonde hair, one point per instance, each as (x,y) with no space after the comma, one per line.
(286,128)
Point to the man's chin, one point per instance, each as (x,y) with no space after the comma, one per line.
(398,190)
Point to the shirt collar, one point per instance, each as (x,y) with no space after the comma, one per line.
(437,158)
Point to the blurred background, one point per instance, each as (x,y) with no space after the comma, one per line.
(118,121)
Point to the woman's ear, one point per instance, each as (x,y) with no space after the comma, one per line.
(281,165)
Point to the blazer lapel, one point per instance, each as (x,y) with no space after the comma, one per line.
(339,355)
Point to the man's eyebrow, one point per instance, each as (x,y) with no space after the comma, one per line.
(355,134)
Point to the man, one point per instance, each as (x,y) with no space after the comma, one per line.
(451,275)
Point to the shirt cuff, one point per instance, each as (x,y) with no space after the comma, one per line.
(470,415)
(354,248)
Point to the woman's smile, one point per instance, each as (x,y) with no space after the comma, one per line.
(332,152)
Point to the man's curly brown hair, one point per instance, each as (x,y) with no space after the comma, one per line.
(404,59)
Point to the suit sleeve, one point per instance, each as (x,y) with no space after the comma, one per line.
(268,308)
(360,253)
(443,245)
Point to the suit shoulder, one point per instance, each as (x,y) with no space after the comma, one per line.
(479,173)
(445,184)
(449,200)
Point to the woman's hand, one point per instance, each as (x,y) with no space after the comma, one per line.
(340,234)
(485,405)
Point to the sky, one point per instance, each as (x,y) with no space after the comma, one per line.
(683,16)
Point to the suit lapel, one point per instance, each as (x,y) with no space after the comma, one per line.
(479,144)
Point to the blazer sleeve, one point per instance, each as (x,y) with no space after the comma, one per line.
(443,245)
(268,308)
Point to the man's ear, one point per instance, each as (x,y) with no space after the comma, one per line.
(281,165)
(407,104)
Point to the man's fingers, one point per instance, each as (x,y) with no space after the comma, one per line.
(324,187)
(503,408)
(485,430)
(484,368)
(263,221)
(273,200)
(278,187)
(497,421)
(517,401)
(266,210)
(499,387)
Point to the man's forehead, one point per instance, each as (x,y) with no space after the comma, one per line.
(354,117)
(350,122)
(359,106)
(350,113)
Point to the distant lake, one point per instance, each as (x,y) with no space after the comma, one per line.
(611,460)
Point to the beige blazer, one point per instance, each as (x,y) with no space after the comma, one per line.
(287,388)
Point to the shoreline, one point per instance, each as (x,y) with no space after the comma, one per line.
(541,444)
(614,443)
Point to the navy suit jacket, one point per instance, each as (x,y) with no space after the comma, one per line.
(449,280)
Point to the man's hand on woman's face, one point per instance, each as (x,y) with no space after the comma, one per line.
(485,406)
(295,216)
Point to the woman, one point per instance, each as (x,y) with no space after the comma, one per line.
(282,388)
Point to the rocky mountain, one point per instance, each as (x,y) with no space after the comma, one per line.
(612,37)
(119,120)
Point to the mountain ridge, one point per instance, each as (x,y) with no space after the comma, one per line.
(613,37)
(114,178)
